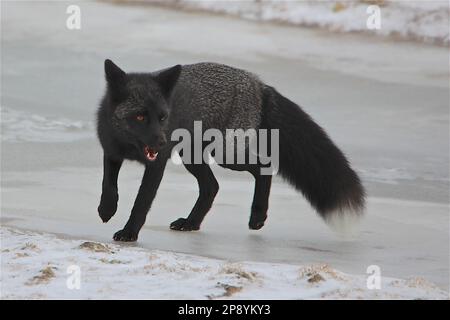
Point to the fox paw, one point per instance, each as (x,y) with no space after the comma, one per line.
(106,212)
(108,206)
(256,223)
(183,224)
(125,236)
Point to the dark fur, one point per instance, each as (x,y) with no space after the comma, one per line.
(176,97)
(310,161)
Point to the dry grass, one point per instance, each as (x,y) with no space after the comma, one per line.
(339,6)
(44,276)
(319,272)
(229,289)
(30,246)
(316,278)
(415,282)
(22,255)
(239,271)
(113,261)
(95,247)
(380,3)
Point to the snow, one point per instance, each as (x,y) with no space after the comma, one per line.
(423,20)
(40,266)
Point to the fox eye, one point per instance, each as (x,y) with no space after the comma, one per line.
(140,117)
(162,117)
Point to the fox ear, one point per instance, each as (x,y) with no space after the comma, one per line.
(114,75)
(167,79)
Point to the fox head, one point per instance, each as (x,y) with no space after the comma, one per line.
(139,107)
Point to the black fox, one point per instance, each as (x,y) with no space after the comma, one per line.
(139,111)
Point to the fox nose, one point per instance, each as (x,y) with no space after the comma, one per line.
(162,141)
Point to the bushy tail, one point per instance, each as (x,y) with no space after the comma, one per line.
(311,162)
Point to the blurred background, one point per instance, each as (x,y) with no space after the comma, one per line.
(382,94)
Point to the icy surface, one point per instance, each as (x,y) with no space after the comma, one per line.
(19,126)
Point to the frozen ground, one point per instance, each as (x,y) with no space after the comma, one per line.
(41,266)
(384,102)
(425,20)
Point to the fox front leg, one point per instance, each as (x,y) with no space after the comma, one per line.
(109,197)
(147,192)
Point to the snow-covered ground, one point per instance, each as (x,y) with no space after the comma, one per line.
(425,20)
(43,266)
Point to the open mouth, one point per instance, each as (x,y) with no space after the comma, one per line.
(150,153)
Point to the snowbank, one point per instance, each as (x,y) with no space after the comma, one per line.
(424,20)
(43,266)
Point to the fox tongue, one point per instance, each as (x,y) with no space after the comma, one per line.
(150,154)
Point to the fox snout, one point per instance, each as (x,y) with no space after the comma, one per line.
(161,140)
(152,146)
(156,141)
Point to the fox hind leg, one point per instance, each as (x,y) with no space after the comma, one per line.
(260,202)
(208,188)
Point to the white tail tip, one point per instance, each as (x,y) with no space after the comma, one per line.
(345,223)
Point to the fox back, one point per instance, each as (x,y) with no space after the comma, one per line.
(220,96)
